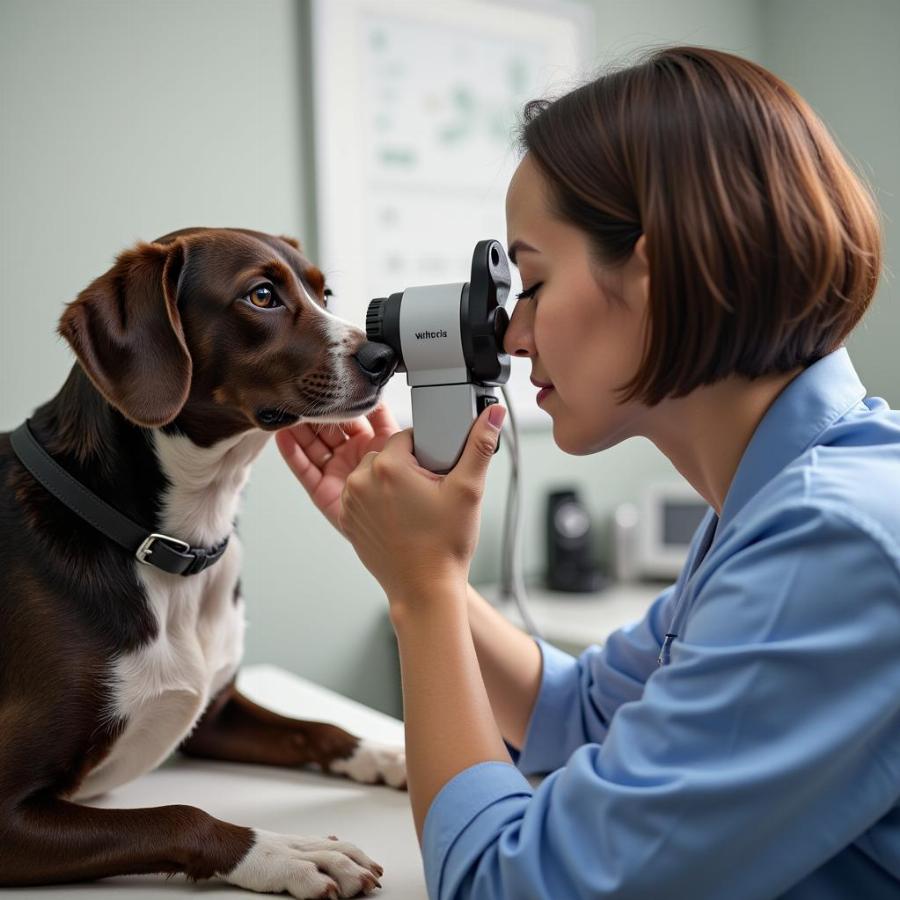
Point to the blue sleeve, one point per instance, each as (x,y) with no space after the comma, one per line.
(768,744)
(578,697)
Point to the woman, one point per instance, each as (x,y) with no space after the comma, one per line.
(694,251)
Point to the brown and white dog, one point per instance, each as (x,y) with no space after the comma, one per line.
(191,350)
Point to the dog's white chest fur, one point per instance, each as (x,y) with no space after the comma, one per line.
(161,689)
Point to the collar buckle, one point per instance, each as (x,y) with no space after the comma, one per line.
(146,548)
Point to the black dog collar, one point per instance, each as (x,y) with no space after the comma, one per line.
(167,553)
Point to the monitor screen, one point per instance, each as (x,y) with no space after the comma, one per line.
(680,521)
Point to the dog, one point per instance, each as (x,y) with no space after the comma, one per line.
(191,351)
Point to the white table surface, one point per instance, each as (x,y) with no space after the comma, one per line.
(376,818)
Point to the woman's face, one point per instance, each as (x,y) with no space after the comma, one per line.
(582,328)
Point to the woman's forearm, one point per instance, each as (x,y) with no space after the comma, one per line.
(448,720)
(510,663)
(463,660)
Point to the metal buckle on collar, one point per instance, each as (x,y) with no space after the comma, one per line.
(146,548)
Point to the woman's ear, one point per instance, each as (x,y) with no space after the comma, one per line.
(637,274)
(126,331)
(640,253)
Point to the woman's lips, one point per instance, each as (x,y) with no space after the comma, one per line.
(545,388)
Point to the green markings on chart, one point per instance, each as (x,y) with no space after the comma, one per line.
(465,109)
(397,156)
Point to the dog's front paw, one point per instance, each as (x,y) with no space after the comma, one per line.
(372,763)
(305,867)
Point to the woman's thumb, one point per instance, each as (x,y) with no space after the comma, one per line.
(480,446)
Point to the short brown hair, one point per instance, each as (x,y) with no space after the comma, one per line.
(764,247)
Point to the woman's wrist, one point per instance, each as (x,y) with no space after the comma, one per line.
(441,597)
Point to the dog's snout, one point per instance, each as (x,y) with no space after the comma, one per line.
(377,361)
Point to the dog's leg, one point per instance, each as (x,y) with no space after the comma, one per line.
(54,841)
(237,729)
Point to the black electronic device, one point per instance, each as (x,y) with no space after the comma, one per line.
(571,565)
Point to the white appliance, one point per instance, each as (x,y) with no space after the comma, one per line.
(652,537)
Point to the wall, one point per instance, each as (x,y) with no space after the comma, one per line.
(122,121)
(844,58)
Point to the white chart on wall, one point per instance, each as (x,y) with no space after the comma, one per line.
(416,105)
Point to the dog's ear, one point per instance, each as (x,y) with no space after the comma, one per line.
(126,331)
(292,241)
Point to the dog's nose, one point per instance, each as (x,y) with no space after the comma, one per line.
(377,361)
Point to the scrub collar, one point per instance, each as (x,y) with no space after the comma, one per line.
(819,396)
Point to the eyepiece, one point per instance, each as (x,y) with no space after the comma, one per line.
(375,320)
(484,317)
(383,324)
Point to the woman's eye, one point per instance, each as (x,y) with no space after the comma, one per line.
(263,297)
(528,294)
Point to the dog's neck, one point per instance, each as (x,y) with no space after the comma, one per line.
(159,477)
(205,483)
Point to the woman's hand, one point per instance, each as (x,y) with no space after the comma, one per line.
(413,529)
(323,455)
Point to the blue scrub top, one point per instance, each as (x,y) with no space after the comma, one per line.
(757,754)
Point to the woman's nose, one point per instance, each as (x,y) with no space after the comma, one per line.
(519,337)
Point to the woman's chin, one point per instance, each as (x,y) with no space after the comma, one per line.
(568,441)
(582,441)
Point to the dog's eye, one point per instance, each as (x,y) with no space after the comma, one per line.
(263,297)
(327,293)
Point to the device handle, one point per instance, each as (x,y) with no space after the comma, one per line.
(443,415)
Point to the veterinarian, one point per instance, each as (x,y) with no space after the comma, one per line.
(694,251)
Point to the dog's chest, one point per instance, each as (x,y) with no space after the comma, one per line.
(162,689)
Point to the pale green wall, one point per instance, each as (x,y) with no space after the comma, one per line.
(123,120)
(844,58)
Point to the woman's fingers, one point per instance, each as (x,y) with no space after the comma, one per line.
(298,462)
(359,425)
(331,434)
(318,447)
(382,420)
(309,447)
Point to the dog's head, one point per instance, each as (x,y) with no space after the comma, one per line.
(220,330)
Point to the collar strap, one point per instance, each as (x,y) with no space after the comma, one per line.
(167,553)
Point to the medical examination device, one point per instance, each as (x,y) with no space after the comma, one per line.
(448,338)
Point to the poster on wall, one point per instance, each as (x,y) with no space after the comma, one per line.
(416,108)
